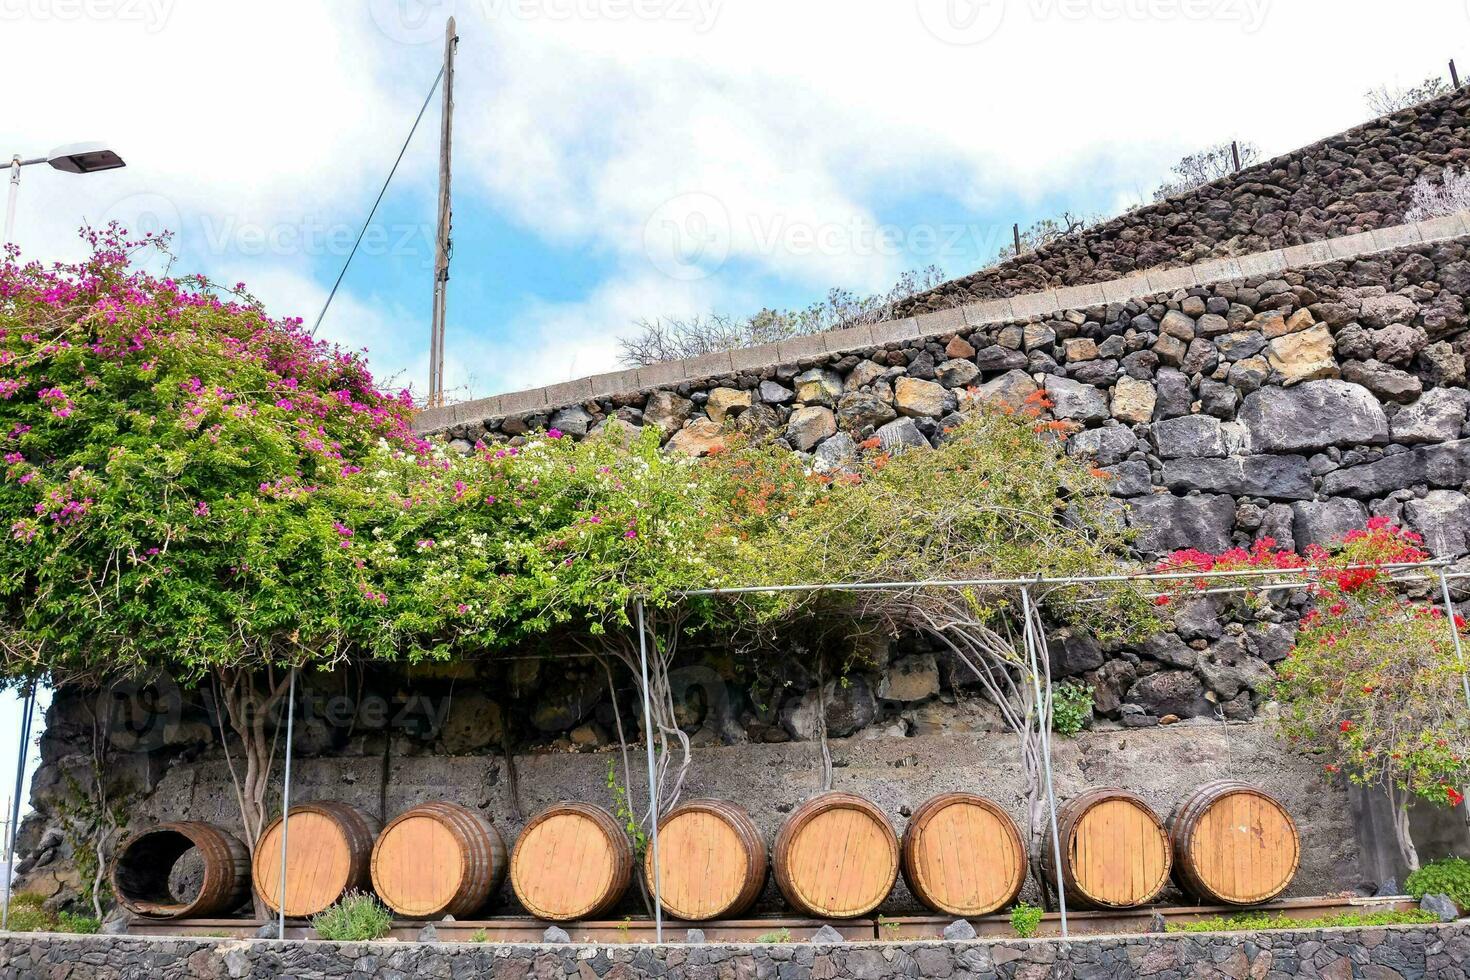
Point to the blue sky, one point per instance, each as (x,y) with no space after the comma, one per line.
(617,159)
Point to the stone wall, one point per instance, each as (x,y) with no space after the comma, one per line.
(1352,182)
(912,749)
(1394,953)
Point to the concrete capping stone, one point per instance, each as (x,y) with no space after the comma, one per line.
(663,373)
(569,393)
(1263,263)
(1447,226)
(796,348)
(708,365)
(894,331)
(1171,280)
(1399,236)
(433,419)
(751,358)
(1122,290)
(852,338)
(1034,304)
(988,312)
(941,321)
(1351,246)
(516,402)
(1217,271)
(613,383)
(1308,254)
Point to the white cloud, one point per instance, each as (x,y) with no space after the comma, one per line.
(253,127)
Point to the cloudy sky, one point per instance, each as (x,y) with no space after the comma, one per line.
(618,159)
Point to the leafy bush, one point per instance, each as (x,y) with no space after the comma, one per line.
(79,924)
(29,914)
(1254,921)
(1447,876)
(779,936)
(1025,919)
(1071,707)
(355,918)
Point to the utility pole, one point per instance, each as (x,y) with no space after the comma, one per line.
(442,239)
(1454,75)
(1235,153)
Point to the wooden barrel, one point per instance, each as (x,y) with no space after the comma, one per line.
(1234,844)
(329,848)
(836,857)
(962,855)
(144,865)
(437,859)
(1115,850)
(572,861)
(712,859)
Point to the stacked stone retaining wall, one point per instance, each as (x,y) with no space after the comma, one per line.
(1395,953)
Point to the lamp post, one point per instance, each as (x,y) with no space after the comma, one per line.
(75,158)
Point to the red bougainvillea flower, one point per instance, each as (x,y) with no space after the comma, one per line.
(1453,795)
(1345,726)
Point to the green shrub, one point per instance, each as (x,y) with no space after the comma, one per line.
(79,924)
(1256,921)
(1447,876)
(355,918)
(1025,917)
(779,936)
(1071,707)
(28,913)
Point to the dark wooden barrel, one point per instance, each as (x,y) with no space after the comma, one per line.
(712,859)
(1115,850)
(1234,844)
(962,855)
(437,859)
(144,865)
(329,848)
(836,857)
(572,861)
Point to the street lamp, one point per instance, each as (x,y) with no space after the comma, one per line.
(75,158)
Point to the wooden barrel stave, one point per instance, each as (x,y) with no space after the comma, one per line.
(140,871)
(1233,844)
(836,856)
(438,859)
(329,848)
(572,861)
(963,855)
(1115,850)
(713,861)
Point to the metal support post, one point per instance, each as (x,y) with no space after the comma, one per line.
(1043,721)
(286,803)
(1449,611)
(27,710)
(658,871)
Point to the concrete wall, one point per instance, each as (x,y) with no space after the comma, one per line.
(1393,953)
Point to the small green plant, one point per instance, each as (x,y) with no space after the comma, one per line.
(479,936)
(779,936)
(355,918)
(890,927)
(625,928)
(1071,707)
(1025,918)
(83,925)
(1447,876)
(1256,921)
(623,811)
(29,914)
